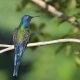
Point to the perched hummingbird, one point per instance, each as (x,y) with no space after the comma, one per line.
(21,38)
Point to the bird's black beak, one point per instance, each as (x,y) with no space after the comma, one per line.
(31,17)
(35,16)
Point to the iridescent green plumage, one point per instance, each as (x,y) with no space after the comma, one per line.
(22,34)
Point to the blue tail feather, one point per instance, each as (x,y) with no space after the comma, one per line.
(18,54)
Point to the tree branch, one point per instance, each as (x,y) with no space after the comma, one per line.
(54,11)
(11,47)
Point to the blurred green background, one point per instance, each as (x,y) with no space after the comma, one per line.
(51,62)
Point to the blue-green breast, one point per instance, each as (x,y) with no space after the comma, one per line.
(22,32)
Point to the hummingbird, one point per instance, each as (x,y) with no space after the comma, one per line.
(21,37)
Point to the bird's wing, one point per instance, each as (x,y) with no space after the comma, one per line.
(15,36)
(26,37)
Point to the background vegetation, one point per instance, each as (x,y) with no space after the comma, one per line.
(51,62)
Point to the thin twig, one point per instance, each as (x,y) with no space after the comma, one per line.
(5,45)
(7,49)
(54,11)
(11,47)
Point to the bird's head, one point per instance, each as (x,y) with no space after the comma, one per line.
(26,20)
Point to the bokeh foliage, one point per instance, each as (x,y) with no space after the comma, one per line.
(50,62)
